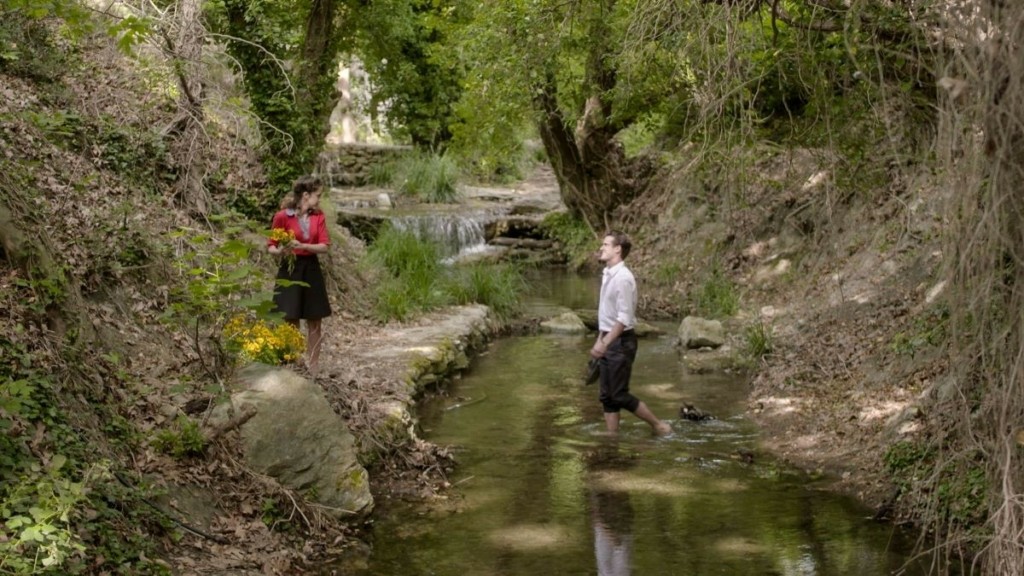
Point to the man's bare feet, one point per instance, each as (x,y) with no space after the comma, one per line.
(663,429)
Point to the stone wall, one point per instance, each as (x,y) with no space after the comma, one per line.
(351,164)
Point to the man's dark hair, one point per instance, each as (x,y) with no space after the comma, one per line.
(622,240)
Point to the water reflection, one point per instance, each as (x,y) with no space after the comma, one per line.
(611,513)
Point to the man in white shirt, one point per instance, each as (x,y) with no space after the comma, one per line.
(616,341)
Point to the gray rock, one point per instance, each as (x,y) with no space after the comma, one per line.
(566,323)
(697,332)
(643,329)
(297,438)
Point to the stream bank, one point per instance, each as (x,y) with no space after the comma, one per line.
(540,488)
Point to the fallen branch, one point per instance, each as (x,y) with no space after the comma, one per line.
(243,416)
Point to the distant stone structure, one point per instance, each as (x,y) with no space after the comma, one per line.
(351,164)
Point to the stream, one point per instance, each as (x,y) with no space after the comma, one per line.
(541,489)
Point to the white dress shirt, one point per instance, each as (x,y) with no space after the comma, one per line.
(618,298)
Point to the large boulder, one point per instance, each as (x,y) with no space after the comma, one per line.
(297,438)
(695,332)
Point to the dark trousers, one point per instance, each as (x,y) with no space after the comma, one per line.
(616,370)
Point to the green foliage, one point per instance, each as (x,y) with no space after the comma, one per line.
(413,270)
(573,234)
(498,287)
(289,79)
(52,510)
(130,31)
(717,296)
(402,254)
(905,460)
(38,513)
(383,173)
(415,281)
(28,47)
(758,339)
(182,439)
(46,291)
(642,135)
(405,48)
(219,281)
(25,397)
(927,330)
(959,486)
(667,273)
(429,177)
(271,513)
(138,156)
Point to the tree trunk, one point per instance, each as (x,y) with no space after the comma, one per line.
(594,175)
(318,70)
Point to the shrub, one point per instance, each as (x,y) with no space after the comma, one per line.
(413,268)
(383,173)
(576,238)
(182,439)
(402,254)
(416,281)
(667,273)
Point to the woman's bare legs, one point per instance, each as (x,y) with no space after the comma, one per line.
(314,339)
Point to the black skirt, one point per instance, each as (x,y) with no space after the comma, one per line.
(305,302)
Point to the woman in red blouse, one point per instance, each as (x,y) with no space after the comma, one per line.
(302,217)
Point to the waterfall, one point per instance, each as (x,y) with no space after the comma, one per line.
(457,234)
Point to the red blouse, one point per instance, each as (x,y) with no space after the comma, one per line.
(288,219)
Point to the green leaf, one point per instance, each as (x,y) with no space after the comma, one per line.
(58,462)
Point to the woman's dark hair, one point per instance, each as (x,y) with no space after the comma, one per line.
(301,185)
(622,240)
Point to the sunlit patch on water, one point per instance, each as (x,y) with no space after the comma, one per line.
(665,485)
(664,391)
(738,546)
(567,415)
(530,537)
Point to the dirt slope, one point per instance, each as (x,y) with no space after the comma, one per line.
(845,281)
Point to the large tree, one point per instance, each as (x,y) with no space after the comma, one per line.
(555,64)
(588,73)
(288,52)
(416,79)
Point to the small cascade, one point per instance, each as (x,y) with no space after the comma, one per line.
(457,234)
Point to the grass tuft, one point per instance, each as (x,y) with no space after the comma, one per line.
(430,177)
(759,339)
(717,297)
(416,281)
(496,286)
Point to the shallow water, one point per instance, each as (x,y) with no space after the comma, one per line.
(542,490)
